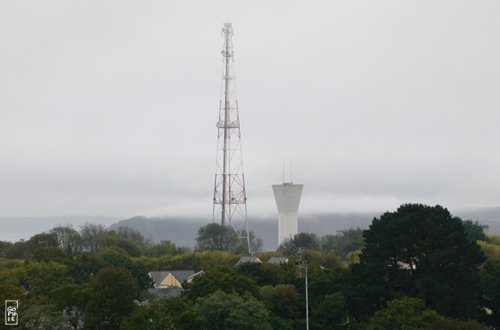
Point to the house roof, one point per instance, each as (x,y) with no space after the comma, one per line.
(180,275)
(277,260)
(194,275)
(158,276)
(249,259)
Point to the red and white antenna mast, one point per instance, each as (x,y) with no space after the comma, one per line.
(230,198)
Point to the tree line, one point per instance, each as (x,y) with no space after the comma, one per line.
(418,267)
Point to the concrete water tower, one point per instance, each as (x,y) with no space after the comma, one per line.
(287,196)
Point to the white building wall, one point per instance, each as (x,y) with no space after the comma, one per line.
(287,196)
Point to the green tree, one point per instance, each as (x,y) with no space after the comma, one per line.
(221,279)
(90,234)
(68,239)
(25,249)
(283,301)
(474,230)
(172,313)
(490,287)
(304,240)
(17,250)
(262,274)
(71,299)
(230,311)
(46,254)
(10,292)
(454,324)
(113,257)
(42,277)
(148,317)
(183,313)
(411,314)
(403,313)
(344,242)
(83,267)
(419,251)
(111,298)
(161,249)
(4,248)
(323,281)
(330,312)
(353,257)
(132,235)
(12,272)
(40,316)
(132,248)
(216,237)
(107,238)
(42,240)
(328,259)
(117,257)
(491,248)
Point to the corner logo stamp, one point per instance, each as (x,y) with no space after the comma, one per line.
(11,315)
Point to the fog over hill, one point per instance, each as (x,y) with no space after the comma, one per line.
(481,214)
(17,228)
(183,231)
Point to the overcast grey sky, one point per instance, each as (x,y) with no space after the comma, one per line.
(109,107)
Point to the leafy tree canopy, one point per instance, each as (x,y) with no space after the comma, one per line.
(172,313)
(411,314)
(419,251)
(161,249)
(111,298)
(8,291)
(330,312)
(403,313)
(68,239)
(222,279)
(491,248)
(230,311)
(474,231)
(216,237)
(283,300)
(344,242)
(490,287)
(302,240)
(46,254)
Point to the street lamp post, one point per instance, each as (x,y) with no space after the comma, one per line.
(301,272)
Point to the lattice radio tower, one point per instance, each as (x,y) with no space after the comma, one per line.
(230,198)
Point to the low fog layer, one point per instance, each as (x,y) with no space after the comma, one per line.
(110,107)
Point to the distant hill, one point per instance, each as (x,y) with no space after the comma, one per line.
(17,228)
(490,214)
(183,231)
(180,231)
